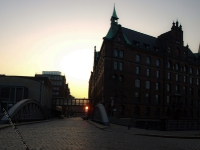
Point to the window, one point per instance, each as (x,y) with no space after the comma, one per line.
(197,81)
(168,99)
(157,99)
(148,61)
(147,98)
(184,90)
(137,58)
(148,72)
(177,88)
(121,78)
(191,70)
(115,53)
(121,54)
(184,68)
(157,74)
(190,80)
(137,83)
(157,62)
(191,91)
(137,97)
(176,77)
(120,66)
(137,70)
(147,85)
(197,71)
(177,66)
(168,65)
(185,79)
(168,75)
(169,48)
(157,86)
(115,65)
(168,87)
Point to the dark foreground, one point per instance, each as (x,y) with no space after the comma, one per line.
(77,134)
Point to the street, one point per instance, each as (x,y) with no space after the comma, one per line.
(78,134)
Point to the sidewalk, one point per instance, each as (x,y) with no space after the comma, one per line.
(191,134)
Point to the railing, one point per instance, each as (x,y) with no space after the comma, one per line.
(182,125)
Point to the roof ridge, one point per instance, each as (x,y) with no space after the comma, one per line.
(139,32)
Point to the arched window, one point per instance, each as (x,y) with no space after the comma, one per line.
(177,66)
(184,79)
(197,71)
(184,68)
(168,65)
(184,90)
(157,74)
(157,86)
(191,91)
(168,87)
(115,53)
(191,70)
(148,61)
(121,54)
(137,83)
(137,97)
(147,85)
(157,62)
(137,58)
(157,99)
(177,88)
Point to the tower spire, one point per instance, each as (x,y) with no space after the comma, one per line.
(114,17)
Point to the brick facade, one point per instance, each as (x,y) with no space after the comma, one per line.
(141,76)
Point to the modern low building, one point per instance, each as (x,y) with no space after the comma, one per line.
(141,76)
(16,88)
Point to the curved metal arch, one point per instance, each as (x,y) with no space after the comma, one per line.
(100,115)
(25,110)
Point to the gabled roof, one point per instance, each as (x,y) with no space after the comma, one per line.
(132,35)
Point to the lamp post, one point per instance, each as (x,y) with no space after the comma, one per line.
(112,103)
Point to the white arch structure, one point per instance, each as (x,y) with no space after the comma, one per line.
(24,111)
(100,115)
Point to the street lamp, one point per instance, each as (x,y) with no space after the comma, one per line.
(112,103)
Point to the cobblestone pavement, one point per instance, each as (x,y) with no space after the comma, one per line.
(77,134)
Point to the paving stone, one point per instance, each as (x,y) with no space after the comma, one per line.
(78,134)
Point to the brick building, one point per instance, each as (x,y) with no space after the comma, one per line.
(140,76)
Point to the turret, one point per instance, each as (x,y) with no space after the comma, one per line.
(114,17)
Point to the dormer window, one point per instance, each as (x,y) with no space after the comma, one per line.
(146,46)
(156,49)
(136,43)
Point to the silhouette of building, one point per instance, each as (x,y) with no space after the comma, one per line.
(141,76)
(16,88)
(60,89)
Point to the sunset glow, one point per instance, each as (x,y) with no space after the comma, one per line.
(60,35)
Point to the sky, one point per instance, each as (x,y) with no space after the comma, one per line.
(60,35)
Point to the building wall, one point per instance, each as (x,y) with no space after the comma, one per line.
(36,90)
(117,85)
